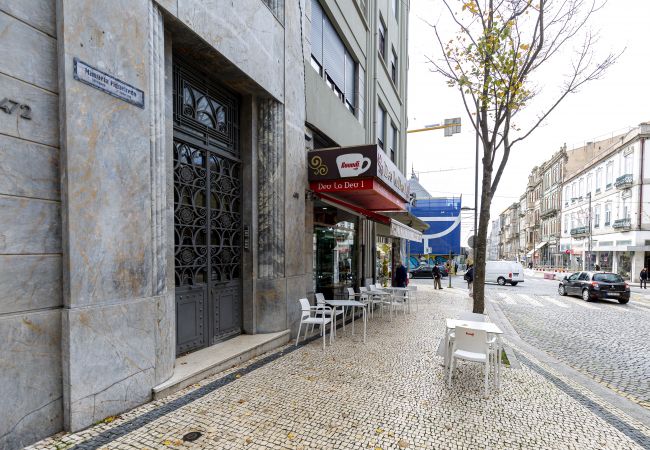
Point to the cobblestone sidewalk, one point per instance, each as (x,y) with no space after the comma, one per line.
(389,393)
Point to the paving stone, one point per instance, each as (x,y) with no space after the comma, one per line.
(389,393)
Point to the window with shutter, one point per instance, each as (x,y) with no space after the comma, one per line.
(381,126)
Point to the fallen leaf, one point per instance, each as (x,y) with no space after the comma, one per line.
(241,400)
(391,433)
(402,443)
(167,442)
(379,430)
(291,435)
(248,440)
(238,375)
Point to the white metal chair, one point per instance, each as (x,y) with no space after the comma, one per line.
(334,313)
(471,345)
(307,318)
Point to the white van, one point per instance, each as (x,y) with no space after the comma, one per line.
(503,272)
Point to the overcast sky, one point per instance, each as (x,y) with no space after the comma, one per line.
(605,107)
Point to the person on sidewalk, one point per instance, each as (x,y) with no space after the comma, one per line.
(644,278)
(469,277)
(401,276)
(435,272)
(597,268)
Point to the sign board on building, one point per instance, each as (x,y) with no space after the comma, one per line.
(107,83)
(346,164)
(398,229)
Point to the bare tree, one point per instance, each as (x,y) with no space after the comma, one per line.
(498,47)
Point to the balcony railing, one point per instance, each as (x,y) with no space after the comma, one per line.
(550,211)
(622,224)
(624,181)
(579,232)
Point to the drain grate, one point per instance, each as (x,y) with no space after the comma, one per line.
(192,436)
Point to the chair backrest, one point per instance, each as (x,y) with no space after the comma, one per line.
(305,308)
(471,340)
(472,316)
(351,294)
(363,289)
(320,299)
(372,287)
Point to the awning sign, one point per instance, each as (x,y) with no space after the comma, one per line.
(349,163)
(398,229)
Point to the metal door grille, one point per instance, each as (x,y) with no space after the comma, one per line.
(207,212)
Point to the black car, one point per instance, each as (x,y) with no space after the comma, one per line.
(426,272)
(595,285)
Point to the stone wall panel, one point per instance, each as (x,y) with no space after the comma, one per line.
(110,357)
(44,124)
(40,14)
(259,52)
(30,377)
(29,169)
(271,313)
(29,226)
(29,282)
(27,54)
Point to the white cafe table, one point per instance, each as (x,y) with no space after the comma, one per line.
(488,327)
(352,304)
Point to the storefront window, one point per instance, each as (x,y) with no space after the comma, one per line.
(384,260)
(335,251)
(625,264)
(606,261)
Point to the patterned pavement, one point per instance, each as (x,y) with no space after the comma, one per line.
(389,393)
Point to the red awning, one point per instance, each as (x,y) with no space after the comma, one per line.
(368,193)
(369,214)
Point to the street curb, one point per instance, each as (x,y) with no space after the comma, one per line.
(607,395)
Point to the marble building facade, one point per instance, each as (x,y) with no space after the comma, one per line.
(90,247)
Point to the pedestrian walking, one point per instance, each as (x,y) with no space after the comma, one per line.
(597,267)
(401,276)
(469,277)
(644,278)
(455,268)
(435,272)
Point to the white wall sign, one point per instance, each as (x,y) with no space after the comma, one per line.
(107,83)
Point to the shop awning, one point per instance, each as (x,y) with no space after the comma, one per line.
(361,175)
(408,219)
(397,229)
(353,208)
(537,247)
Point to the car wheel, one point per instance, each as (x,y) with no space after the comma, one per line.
(514,283)
(623,301)
(561,290)
(585,295)
(501,281)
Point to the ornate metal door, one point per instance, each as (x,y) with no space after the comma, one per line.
(207,212)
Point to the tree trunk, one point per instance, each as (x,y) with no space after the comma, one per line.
(481,243)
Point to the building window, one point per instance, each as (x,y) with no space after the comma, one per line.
(567,197)
(573,220)
(608,213)
(609,174)
(581,186)
(589,182)
(392,144)
(331,59)
(381,126)
(626,210)
(596,216)
(599,179)
(393,66)
(395,5)
(573,191)
(629,164)
(566,223)
(381,39)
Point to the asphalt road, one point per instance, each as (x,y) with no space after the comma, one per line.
(603,339)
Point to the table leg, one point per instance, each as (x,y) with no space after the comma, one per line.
(354,313)
(365,320)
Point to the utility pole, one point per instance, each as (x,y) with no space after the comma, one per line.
(449,270)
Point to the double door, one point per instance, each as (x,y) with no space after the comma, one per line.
(207,212)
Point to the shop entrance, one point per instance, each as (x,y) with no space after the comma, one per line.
(207,211)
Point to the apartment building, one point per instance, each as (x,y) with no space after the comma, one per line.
(551,174)
(605,217)
(532,216)
(509,236)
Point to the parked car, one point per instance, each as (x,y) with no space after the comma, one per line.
(503,272)
(595,285)
(426,272)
